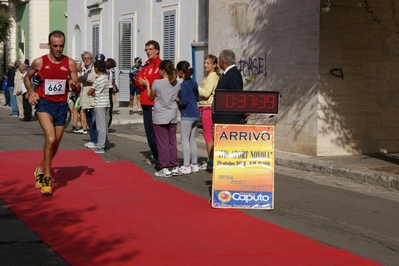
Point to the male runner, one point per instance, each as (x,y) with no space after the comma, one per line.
(55,74)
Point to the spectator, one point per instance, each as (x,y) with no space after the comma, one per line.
(5,90)
(100,92)
(88,117)
(230,80)
(150,72)
(164,93)
(10,88)
(188,105)
(134,91)
(111,64)
(77,108)
(206,92)
(17,90)
(27,107)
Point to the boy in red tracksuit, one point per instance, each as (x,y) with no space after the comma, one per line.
(150,71)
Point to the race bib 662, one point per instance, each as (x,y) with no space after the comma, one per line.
(54,86)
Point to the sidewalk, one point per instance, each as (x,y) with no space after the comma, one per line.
(378,169)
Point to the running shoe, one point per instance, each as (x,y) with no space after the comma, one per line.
(39,178)
(140,112)
(175,170)
(84,132)
(185,170)
(46,187)
(164,172)
(130,112)
(203,166)
(194,168)
(78,131)
(91,145)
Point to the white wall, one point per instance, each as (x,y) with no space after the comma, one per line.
(147,25)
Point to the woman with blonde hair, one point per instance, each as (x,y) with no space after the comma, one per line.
(206,92)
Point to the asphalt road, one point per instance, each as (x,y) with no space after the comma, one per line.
(330,210)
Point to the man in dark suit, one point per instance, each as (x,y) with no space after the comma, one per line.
(231,79)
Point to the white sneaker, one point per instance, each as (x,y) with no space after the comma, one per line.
(175,171)
(164,172)
(194,168)
(203,166)
(91,145)
(88,143)
(185,170)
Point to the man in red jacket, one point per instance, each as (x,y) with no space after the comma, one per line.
(150,71)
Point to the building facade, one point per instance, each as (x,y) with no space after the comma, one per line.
(120,29)
(33,21)
(336,72)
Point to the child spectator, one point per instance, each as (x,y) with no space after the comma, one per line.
(188,105)
(100,92)
(164,93)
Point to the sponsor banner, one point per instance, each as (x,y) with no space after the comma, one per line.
(243,167)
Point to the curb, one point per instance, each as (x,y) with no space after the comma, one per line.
(381,179)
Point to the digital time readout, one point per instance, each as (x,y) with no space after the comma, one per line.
(227,101)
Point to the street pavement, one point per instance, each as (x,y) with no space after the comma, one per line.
(378,170)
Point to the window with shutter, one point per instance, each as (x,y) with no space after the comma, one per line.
(96,39)
(124,63)
(169,35)
(125,42)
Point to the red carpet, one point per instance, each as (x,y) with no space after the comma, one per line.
(115,214)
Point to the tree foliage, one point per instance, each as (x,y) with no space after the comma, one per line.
(5,25)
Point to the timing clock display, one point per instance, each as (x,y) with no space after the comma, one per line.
(264,102)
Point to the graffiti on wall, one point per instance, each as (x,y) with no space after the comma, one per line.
(253,66)
(337,72)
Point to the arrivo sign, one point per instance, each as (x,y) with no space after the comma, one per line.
(263,102)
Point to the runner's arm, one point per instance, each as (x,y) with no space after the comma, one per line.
(36,66)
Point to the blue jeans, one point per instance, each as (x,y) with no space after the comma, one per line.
(13,100)
(91,123)
(149,129)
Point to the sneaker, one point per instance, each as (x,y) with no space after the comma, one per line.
(87,144)
(203,166)
(130,112)
(194,168)
(175,171)
(78,131)
(164,172)
(140,112)
(84,132)
(185,170)
(99,150)
(46,187)
(39,178)
(91,145)
(152,160)
(209,168)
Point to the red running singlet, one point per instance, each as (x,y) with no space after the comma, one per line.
(54,84)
